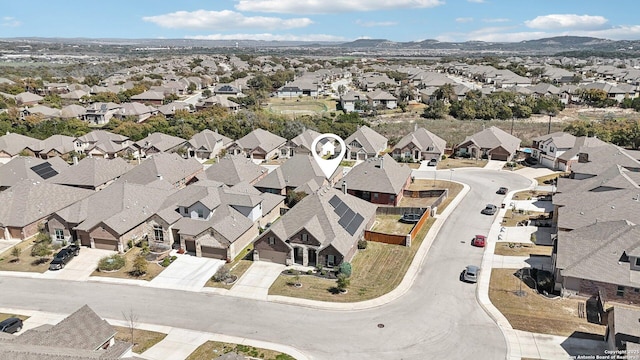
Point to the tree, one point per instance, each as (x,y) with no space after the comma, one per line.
(132,321)
(345,268)
(446,93)
(192,87)
(342,282)
(139,266)
(15,252)
(436,110)
(294,197)
(342,90)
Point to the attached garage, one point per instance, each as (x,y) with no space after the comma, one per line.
(190,245)
(546,162)
(499,156)
(273,256)
(214,252)
(105,244)
(259,156)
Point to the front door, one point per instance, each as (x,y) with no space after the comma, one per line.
(298,255)
(312,256)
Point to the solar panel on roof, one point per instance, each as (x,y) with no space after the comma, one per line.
(346,218)
(341,209)
(354,224)
(44,170)
(335,201)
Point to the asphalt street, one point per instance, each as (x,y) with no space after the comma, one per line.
(438,318)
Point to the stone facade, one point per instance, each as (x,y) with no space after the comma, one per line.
(628,295)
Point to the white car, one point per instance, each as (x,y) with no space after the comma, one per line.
(471,273)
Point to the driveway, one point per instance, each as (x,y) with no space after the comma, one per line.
(534,172)
(187,272)
(257,280)
(81,266)
(495,165)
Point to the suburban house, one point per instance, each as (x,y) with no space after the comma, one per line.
(301,144)
(352,101)
(623,334)
(42,111)
(234,169)
(564,159)
(54,146)
(590,160)
(303,86)
(169,110)
(378,180)
(381,99)
(27,204)
(157,143)
(140,112)
(600,258)
(109,218)
(100,113)
(27,99)
(101,143)
(420,145)
(322,229)
(12,144)
(364,143)
(73,111)
(213,220)
(227,90)
(27,167)
(547,148)
(92,173)
(295,173)
(166,167)
(81,335)
(258,145)
(492,143)
(218,100)
(207,144)
(149,97)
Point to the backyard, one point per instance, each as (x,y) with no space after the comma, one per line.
(391,224)
(428,184)
(536,313)
(297,106)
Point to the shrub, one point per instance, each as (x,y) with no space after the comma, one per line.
(323,272)
(533,238)
(309,272)
(15,252)
(43,237)
(221,275)
(173,258)
(139,266)
(362,244)
(165,262)
(345,268)
(343,282)
(111,263)
(40,249)
(130,244)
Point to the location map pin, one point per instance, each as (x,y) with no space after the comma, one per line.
(328,166)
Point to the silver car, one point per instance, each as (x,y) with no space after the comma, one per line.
(471,273)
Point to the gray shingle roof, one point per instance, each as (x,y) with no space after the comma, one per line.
(207,139)
(160,141)
(21,168)
(371,176)
(493,137)
(578,210)
(305,139)
(61,143)
(371,141)
(594,252)
(295,172)
(262,139)
(317,216)
(29,201)
(92,172)
(13,143)
(582,144)
(231,170)
(423,139)
(170,166)
(560,139)
(606,154)
(626,321)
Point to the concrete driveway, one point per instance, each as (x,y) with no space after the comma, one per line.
(187,272)
(257,280)
(81,266)
(534,172)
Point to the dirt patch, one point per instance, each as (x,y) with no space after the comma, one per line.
(536,313)
(450,163)
(142,339)
(25,262)
(153,269)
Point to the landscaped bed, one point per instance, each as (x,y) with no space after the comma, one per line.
(142,339)
(24,262)
(213,349)
(514,218)
(529,194)
(236,269)
(521,249)
(534,312)
(153,268)
(376,271)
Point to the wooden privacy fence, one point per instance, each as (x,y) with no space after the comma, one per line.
(398,239)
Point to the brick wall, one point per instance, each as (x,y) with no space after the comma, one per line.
(609,291)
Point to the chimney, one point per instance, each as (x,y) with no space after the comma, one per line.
(344,186)
(382,162)
(75,160)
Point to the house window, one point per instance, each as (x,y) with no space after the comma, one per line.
(271,240)
(375,196)
(638,261)
(59,234)
(158,233)
(200,213)
(331,260)
(620,291)
(636,290)
(392,198)
(305,237)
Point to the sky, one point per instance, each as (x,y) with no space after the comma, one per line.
(322,20)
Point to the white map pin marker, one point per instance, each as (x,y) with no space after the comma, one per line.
(328,166)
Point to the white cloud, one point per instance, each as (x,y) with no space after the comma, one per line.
(464,19)
(223,20)
(476,1)
(567,21)
(330,6)
(375,23)
(269,37)
(496,20)
(9,21)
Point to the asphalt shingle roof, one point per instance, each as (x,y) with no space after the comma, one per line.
(371,141)
(382,175)
(92,172)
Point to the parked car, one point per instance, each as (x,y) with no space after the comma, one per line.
(502,190)
(479,241)
(74,249)
(61,259)
(470,273)
(11,325)
(432,162)
(490,209)
(531,161)
(410,218)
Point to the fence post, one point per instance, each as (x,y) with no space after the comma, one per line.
(407,241)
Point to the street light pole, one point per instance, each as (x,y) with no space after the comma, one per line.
(512,120)
(549,128)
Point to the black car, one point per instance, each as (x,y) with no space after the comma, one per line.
(74,249)
(490,209)
(502,190)
(11,325)
(61,259)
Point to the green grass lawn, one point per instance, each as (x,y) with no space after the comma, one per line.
(213,349)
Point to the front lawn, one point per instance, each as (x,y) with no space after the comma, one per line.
(142,339)
(24,262)
(213,349)
(450,163)
(153,268)
(541,180)
(236,268)
(522,249)
(528,194)
(376,271)
(534,312)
